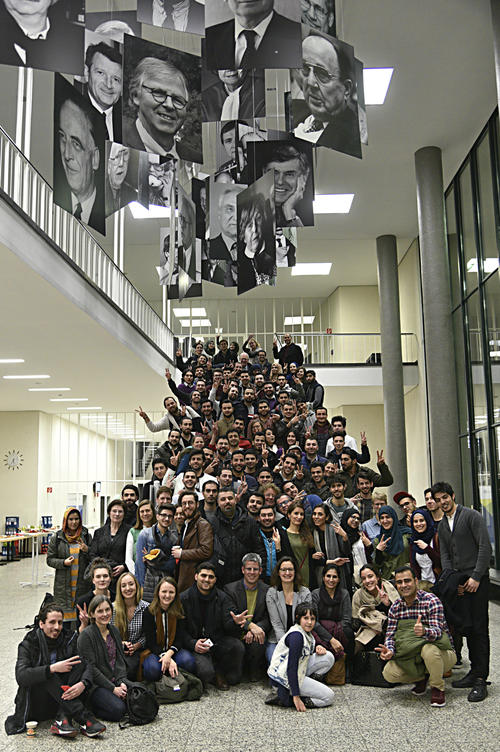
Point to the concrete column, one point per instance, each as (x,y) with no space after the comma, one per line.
(495,24)
(438,332)
(392,362)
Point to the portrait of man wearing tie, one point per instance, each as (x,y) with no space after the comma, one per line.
(189,251)
(103,87)
(327,115)
(78,156)
(121,178)
(181,15)
(254,35)
(222,264)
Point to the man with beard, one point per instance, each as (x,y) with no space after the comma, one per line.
(130,497)
(272,537)
(337,503)
(171,419)
(159,538)
(196,540)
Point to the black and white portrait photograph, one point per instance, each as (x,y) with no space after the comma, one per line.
(286,247)
(199,195)
(162,100)
(79,155)
(327,113)
(120,183)
(232,94)
(359,98)
(232,147)
(113,24)
(256,235)
(252,34)
(157,180)
(43,34)
(180,15)
(221,265)
(186,222)
(320,15)
(168,270)
(292,163)
(102,81)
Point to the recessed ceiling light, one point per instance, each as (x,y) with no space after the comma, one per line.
(181,313)
(11,360)
(27,376)
(138,211)
(294,320)
(302,270)
(376,83)
(69,399)
(333,203)
(195,322)
(83,408)
(49,389)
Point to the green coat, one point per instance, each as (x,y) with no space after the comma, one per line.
(57,552)
(387,563)
(409,646)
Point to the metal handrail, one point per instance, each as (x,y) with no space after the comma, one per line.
(28,190)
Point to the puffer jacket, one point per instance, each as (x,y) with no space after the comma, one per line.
(57,552)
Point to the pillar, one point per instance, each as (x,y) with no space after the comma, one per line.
(392,361)
(438,332)
(495,23)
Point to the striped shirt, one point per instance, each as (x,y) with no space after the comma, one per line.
(428,607)
(135,633)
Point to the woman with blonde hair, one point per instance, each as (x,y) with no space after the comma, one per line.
(146,517)
(128,610)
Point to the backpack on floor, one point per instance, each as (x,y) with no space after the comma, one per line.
(367,670)
(185,686)
(142,706)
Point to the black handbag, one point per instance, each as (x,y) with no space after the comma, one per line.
(367,670)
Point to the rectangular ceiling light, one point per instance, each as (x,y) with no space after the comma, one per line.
(69,399)
(302,270)
(49,389)
(295,320)
(182,313)
(138,211)
(333,203)
(11,360)
(376,83)
(28,376)
(83,408)
(195,322)
(489,265)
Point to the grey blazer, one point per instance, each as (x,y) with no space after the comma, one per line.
(276,608)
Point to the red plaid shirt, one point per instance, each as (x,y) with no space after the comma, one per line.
(428,607)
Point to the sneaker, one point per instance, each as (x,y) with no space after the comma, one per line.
(466,681)
(308,702)
(479,691)
(272,698)
(92,727)
(62,727)
(437,698)
(420,687)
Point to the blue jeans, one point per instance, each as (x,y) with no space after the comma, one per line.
(106,705)
(270,647)
(151,667)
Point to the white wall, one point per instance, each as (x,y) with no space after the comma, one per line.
(19,431)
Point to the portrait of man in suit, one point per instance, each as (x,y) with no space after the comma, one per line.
(44,34)
(320,15)
(161,103)
(120,186)
(255,36)
(104,80)
(222,264)
(180,15)
(78,156)
(328,115)
(187,226)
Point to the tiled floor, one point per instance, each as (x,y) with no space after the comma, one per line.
(361,718)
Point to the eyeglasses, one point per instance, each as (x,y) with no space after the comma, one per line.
(287,571)
(321,75)
(165,514)
(319,10)
(161,97)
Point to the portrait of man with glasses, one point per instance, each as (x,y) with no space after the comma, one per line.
(320,15)
(162,113)
(327,113)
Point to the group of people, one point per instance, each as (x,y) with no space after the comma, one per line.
(260,545)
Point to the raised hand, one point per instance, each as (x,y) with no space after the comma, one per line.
(419,628)
(168,375)
(240,619)
(363,437)
(384,652)
(382,544)
(380,457)
(142,413)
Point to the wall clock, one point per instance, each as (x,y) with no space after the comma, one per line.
(13,459)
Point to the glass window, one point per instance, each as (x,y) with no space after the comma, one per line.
(492,296)
(451,228)
(468,238)
(460,370)
(466,463)
(476,357)
(483,471)
(488,230)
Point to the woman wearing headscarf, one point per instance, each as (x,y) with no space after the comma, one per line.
(333,603)
(360,545)
(425,559)
(334,548)
(68,554)
(392,546)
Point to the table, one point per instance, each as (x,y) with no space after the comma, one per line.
(35,537)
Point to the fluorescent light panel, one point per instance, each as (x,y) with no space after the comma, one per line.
(83,408)
(28,376)
(182,313)
(489,265)
(333,203)
(376,84)
(69,399)
(49,389)
(195,322)
(11,360)
(303,270)
(295,320)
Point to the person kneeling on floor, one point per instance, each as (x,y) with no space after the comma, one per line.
(418,646)
(52,679)
(298,663)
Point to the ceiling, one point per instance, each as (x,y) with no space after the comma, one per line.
(442,93)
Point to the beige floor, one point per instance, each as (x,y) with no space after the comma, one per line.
(361,719)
